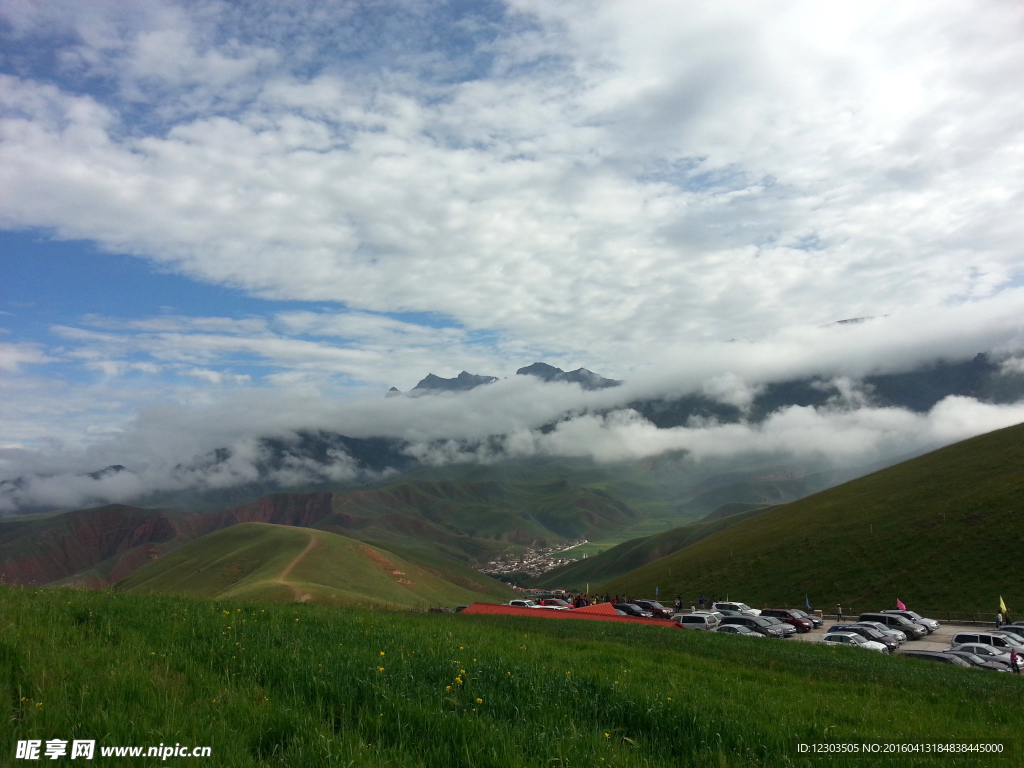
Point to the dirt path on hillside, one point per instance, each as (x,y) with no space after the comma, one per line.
(300,596)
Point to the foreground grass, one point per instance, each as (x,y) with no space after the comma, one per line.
(296,685)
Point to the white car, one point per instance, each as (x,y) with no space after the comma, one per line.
(743,608)
(705,621)
(851,640)
(523,604)
(995,639)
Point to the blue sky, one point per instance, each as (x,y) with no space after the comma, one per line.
(207,202)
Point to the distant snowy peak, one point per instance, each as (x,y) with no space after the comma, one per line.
(460,383)
(583,377)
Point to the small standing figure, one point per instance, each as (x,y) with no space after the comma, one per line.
(999,620)
(1015,662)
(702,601)
(678,604)
(839,612)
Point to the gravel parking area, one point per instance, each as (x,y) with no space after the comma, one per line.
(938,640)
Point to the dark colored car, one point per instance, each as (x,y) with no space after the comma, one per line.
(634,610)
(975,660)
(910,629)
(787,629)
(790,617)
(1013,629)
(656,608)
(940,656)
(809,616)
(868,633)
(757,624)
(930,624)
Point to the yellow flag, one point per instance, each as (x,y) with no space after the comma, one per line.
(1002,605)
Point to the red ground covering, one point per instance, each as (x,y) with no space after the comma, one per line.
(599,612)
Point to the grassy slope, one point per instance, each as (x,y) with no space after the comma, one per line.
(633,554)
(299,685)
(263,561)
(942,531)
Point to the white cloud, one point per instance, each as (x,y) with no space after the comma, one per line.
(692,173)
(13,356)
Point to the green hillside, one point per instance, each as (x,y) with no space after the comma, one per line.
(291,564)
(633,554)
(299,685)
(941,532)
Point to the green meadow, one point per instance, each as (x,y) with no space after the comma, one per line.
(305,685)
(260,561)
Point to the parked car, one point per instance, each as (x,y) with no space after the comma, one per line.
(634,610)
(995,639)
(910,629)
(809,616)
(930,624)
(992,662)
(656,608)
(852,640)
(737,629)
(705,621)
(938,656)
(985,651)
(523,604)
(743,608)
(896,634)
(787,629)
(1012,629)
(789,616)
(757,624)
(555,602)
(868,633)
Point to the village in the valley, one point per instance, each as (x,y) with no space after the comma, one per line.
(531,563)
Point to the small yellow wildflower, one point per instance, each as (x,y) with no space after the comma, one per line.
(447,687)
(382,653)
(380,669)
(479,701)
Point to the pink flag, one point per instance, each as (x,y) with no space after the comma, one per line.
(900,605)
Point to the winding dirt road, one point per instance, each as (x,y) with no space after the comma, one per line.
(300,596)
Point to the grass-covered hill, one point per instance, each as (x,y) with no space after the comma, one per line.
(431,521)
(299,685)
(630,555)
(941,532)
(261,561)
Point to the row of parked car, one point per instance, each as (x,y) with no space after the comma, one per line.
(980,649)
(740,619)
(884,631)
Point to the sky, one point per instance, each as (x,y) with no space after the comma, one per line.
(260,216)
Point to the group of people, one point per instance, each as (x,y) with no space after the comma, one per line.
(581,599)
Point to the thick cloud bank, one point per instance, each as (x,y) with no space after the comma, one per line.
(255,438)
